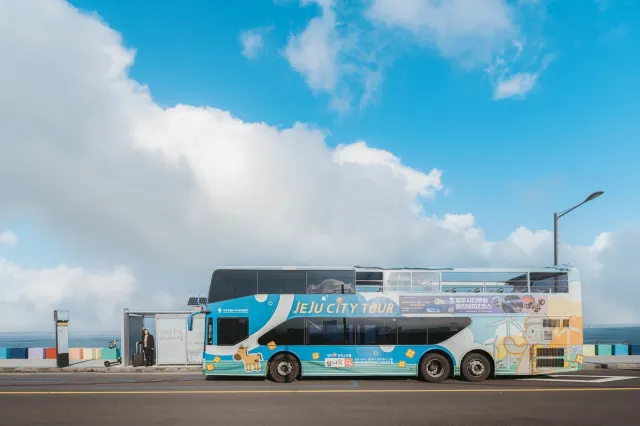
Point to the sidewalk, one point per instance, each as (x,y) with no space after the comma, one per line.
(91,366)
(614,362)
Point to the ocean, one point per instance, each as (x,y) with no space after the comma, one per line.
(612,334)
(48,340)
(592,334)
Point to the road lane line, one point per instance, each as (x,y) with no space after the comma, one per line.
(115,387)
(596,379)
(284,391)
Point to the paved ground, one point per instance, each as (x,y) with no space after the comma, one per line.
(589,398)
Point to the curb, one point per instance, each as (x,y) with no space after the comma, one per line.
(112,370)
(605,366)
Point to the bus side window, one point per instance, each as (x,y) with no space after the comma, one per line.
(232,331)
(229,284)
(549,282)
(290,332)
(323,282)
(376,331)
(210,331)
(329,331)
(412,331)
(281,282)
(441,329)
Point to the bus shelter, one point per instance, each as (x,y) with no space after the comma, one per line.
(174,343)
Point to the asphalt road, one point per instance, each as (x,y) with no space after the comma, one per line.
(590,398)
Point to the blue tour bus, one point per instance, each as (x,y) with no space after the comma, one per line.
(290,322)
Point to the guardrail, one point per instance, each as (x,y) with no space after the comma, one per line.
(75,354)
(84,354)
(610,349)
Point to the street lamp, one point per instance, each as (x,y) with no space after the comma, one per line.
(557,216)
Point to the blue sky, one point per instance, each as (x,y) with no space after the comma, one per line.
(511,162)
(524,106)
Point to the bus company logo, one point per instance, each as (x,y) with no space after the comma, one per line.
(233,311)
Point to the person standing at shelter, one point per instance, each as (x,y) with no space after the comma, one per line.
(148,345)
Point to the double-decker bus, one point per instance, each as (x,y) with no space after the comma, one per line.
(292,322)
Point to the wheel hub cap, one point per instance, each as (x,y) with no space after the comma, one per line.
(284,368)
(434,368)
(476,368)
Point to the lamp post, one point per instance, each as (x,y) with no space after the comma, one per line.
(557,216)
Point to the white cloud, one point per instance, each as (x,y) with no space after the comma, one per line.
(336,56)
(29,296)
(417,183)
(510,84)
(515,85)
(314,52)
(173,192)
(471,30)
(344,56)
(8,238)
(318,53)
(253,41)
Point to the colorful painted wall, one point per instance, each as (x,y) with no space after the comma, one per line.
(75,354)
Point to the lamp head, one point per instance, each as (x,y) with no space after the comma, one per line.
(594,196)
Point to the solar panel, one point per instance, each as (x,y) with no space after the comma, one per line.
(193,301)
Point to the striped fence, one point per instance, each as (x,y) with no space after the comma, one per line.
(75,354)
(86,354)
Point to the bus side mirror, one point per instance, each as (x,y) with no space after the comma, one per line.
(190,317)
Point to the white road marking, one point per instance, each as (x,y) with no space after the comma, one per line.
(594,379)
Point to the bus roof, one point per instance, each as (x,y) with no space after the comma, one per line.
(559,268)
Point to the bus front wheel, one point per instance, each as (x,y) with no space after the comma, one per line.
(475,367)
(284,368)
(435,368)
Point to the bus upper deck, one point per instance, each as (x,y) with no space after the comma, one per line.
(233,282)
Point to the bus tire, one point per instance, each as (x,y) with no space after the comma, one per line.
(284,368)
(435,368)
(475,367)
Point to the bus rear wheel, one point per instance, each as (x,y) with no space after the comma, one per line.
(283,368)
(475,367)
(435,368)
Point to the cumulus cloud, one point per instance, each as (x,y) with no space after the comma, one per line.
(417,183)
(171,193)
(8,238)
(29,296)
